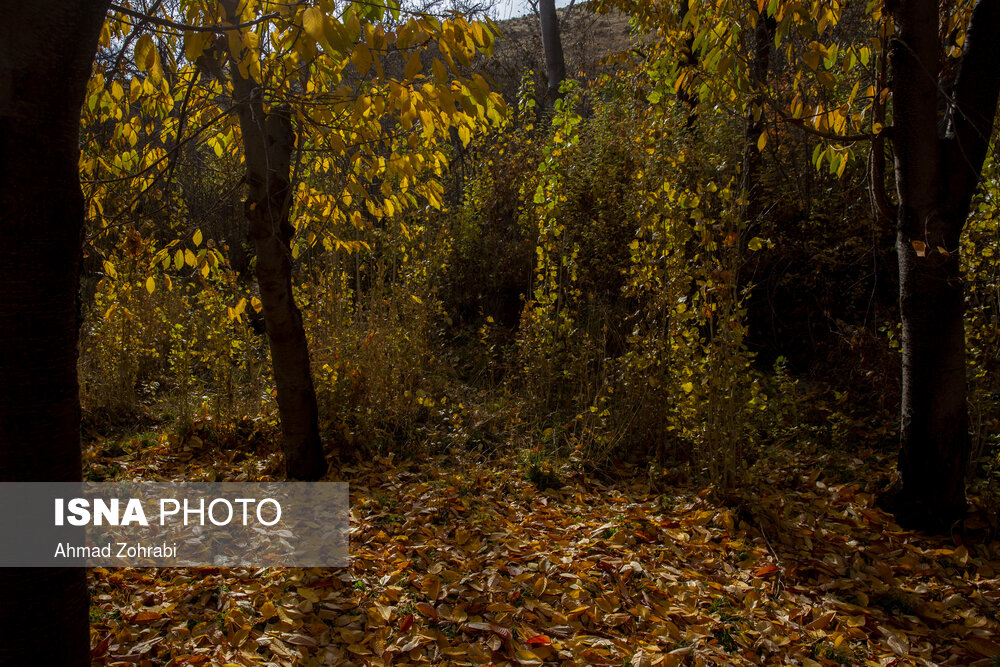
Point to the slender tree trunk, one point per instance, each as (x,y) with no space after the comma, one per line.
(936,176)
(759,42)
(269,142)
(46,53)
(688,60)
(555,65)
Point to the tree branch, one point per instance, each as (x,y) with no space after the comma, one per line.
(975,106)
(886,210)
(173,25)
(801,124)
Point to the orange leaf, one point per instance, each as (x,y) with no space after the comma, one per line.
(427,610)
(146,616)
(766,571)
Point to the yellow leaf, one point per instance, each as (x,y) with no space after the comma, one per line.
(920,247)
(134,90)
(312,22)
(178,259)
(440,73)
(195,43)
(150,284)
(256,304)
(762,141)
(526,657)
(197,237)
(413,66)
(688,387)
(145,53)
(362,58)
(251,41)
(147,58)
(812,57)
(190,259)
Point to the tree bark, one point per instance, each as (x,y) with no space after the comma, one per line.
(555,65)
(759,41)
(688,60)
(937,172)
(46,53)
(269,142)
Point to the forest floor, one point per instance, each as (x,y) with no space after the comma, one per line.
(462,564)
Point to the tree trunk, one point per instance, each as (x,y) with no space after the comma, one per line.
(555,65)
(934,452)
(687,59)
(46,53)
(759,41)
(937,173)
(269,142)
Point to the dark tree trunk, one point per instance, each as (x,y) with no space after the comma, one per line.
(46,53)
(555,65)
(938,166)
(268,143)
(759,41)
(688,60)
(934,429)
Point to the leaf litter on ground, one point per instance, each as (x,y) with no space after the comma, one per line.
(471,564)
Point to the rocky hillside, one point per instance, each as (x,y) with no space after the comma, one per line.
(587,39)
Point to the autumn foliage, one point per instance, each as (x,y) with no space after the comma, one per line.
(615,374)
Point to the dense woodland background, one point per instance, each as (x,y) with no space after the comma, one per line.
(613,360)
